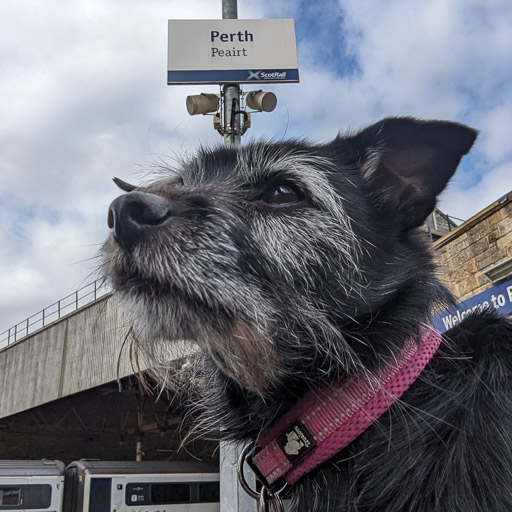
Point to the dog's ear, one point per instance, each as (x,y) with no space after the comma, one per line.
(407,162)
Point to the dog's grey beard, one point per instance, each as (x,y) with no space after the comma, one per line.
(199,293)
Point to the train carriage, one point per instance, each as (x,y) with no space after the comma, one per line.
(35,486)
(105,486)
(108,486)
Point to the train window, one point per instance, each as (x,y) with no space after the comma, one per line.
(26,496)
(37,496)
(100,493)
(10,496)
(209,492)
(170,493)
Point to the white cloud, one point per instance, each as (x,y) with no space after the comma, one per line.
(444,60)
(495,130)
(460,201)
(84,98)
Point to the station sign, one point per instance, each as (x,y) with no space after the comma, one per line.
(497,298)
(232,51)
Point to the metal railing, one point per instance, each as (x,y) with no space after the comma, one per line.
(69,304)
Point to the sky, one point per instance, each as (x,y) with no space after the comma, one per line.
(83,98)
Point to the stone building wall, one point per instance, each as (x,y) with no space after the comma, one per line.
(479,244)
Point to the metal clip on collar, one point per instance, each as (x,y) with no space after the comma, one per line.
(268,501)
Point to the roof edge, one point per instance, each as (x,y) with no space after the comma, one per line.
(486,212)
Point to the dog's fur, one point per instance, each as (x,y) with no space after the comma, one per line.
(293,265)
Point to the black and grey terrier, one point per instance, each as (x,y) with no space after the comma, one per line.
(300,270)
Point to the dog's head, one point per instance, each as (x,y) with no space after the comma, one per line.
(282,260)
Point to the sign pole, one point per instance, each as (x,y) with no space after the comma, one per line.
(231,92)
(232,497)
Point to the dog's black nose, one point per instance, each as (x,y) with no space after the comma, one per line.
(133,215)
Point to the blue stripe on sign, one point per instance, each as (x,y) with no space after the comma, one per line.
(236,76)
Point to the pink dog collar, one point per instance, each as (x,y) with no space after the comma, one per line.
(326,421)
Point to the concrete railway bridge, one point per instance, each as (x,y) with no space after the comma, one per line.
(68,389)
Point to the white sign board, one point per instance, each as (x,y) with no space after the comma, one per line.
(236,51)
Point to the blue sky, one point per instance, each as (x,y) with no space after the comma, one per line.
(84,98)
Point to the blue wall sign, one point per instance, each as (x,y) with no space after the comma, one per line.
(497,298)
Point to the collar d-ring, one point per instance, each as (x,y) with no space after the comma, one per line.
(253,493)
(240,471)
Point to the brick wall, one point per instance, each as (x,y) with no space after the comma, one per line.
(477,245)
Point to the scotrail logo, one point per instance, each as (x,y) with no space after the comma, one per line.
(266,75)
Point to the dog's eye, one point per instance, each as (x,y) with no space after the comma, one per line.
(281,194)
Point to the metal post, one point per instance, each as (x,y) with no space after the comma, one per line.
(229,10)
(138,450)
(232,497)
(231,99)
(231,92)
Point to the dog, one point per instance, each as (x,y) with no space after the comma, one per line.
(299,269)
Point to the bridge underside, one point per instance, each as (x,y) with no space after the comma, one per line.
(104,423)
